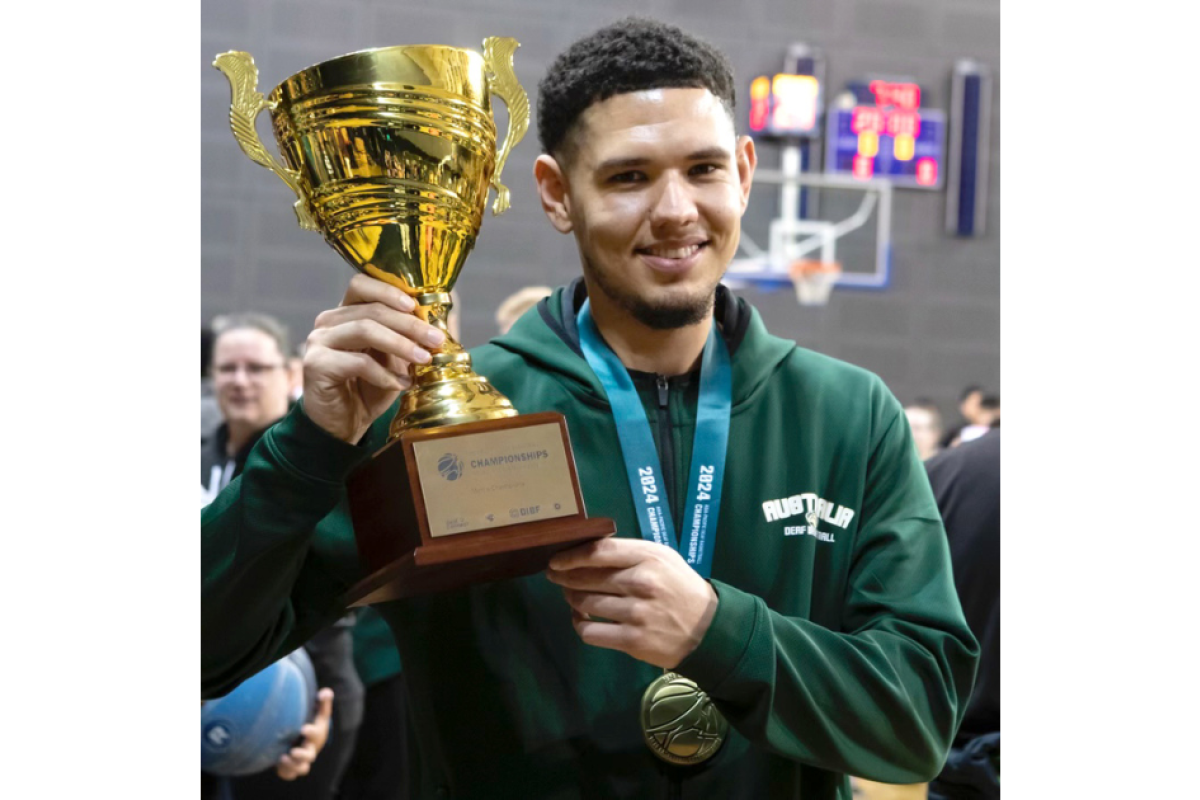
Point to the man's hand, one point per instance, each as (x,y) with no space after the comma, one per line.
(651,604)
(298,761)
(356,359)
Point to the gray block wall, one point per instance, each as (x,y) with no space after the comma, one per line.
(934,330)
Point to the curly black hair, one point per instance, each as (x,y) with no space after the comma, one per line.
(632,55)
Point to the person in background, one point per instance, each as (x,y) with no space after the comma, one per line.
(966,485)
(926,424)
(968,409)
(517,303)
(253,382)
(987,416)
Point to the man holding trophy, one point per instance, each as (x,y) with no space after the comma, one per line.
(776,609)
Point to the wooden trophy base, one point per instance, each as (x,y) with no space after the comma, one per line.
(433,510)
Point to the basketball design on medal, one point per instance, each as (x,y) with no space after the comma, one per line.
(679,721)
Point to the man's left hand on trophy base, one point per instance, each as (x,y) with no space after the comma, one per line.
(357,357)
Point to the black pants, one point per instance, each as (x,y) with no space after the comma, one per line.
(332,655)
(384,762)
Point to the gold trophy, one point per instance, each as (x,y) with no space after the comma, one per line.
(391,153)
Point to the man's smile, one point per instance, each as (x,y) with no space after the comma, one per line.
(672,257)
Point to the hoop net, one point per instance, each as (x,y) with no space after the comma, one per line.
(814,280)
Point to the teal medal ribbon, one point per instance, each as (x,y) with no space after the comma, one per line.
(680,723)
(642,466)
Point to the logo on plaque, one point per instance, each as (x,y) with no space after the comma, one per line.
(450,466)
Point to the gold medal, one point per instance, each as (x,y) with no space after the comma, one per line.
(679,721)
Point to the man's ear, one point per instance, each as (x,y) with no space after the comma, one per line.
(747,160)
(552,189)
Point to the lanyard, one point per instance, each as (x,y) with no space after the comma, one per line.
(641,459)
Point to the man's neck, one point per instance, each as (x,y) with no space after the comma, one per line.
(640,347)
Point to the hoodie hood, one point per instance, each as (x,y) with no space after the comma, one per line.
(548,336)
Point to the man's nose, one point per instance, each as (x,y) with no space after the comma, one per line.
(238,376)
(674,206)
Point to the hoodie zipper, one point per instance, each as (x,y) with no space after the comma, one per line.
(666,449)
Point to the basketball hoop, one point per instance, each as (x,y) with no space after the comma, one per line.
(814,280)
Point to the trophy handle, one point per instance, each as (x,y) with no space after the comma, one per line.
(502,81)
(243,110)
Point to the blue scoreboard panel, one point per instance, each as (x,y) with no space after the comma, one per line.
(894,139)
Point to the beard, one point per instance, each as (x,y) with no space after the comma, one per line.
(662,315)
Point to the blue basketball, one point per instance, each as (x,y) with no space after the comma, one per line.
(251,727)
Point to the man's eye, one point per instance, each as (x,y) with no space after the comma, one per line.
(632,176)
(704,169)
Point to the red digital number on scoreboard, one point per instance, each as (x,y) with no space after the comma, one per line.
(900,95)
(904,123)
(864,167)
(867,120)
(927,172)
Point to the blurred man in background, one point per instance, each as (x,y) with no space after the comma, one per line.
(254,380)
(926,423)
(987,416)
(968,409)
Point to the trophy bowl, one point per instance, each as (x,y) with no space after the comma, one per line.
(391,152)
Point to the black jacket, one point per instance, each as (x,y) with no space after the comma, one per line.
(966,485)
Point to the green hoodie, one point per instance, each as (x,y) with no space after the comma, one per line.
(836,650)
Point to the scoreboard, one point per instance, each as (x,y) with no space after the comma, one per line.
(876,129)
(785,105)
(892,138)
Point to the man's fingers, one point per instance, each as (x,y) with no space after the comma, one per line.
(610,635)
(406,324)
(640,580)
(365,289)
(303,755)
(289,768)
(364,334)
(324,708)
(605,606)
(343,366)
(610,552)
(587,579)
(396,366)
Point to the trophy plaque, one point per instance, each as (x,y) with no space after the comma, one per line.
(391,153)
